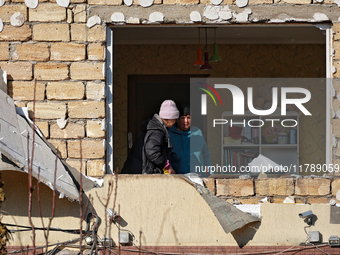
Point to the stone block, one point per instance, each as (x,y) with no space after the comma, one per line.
(77,164)
(86,109)
(318,200)
(31,52)
(96,51)
(336,164)
(17,70)
(6,11)
(336,85)
(94,129)
(11,33)
(234,187)
(336,127)
(180,2)
(47,12)
(250,201)
(87,71)
(335,186)
(336,29)
(95,168)
(65,90)
(69,18)
(44,128)
(296,2)
(95,91)
(210,184)
(60,145)
(336,47)
(91,149)
(257,2)
(274,186)
(79,13)
(4,51)
(78,1)
(78,32)
(96,34)
(105,2)
(51,71)
(48,110)
(67,51)
(336,64)
(71,131)
(312,187)
(51,32)
(24,90)
(20,104)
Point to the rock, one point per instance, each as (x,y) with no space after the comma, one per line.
(32,3)
(338,195)
(118,17)
(63,3)
(1,25)
(225,15)
(195,16)
(146,3)
(241,3)
(133,20)
(320,16)
(61,123)
(17,19)
(92,21)
(337,2)
(128,2)
(289,200)
(211,12)
(156,17)
(216,2)
(2,2)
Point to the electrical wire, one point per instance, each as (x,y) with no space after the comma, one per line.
(320,249)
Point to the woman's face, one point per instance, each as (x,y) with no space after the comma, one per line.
(169,123)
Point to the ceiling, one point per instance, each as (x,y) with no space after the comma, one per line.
(226,34)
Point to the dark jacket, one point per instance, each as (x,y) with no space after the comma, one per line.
(157,147)
(134,161)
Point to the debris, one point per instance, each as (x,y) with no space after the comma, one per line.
(146,3)
(133,20)
(1,25)
(216,2)
(332,202)
(263,200)
(333,69)
(156,17)
(254,210)
(211,12)
(338,114)
(195,178)
(118,17)
(32,4)
(289,200)
(128,2)
(61,123)
(333,91)
(333,113)
(320,16)
(195,16)
(244,176)
(63,3)
(94,20)
(17,19)
(2,2)
(319,1)
(241,3)
(337,2)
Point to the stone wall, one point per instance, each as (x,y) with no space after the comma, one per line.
(62,45)
(276,190)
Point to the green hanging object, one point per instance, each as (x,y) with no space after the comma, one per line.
(215,57)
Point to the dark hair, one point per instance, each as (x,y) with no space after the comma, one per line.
(184,111)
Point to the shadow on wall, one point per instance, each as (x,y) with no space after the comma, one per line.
(16,203)
(243,235)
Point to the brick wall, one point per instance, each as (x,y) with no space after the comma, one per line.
(251,191)
(55,46)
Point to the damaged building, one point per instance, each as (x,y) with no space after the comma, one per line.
(94,70)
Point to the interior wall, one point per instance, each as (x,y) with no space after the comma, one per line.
(239,61)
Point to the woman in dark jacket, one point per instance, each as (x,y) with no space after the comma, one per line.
(151,152)
(157,147)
